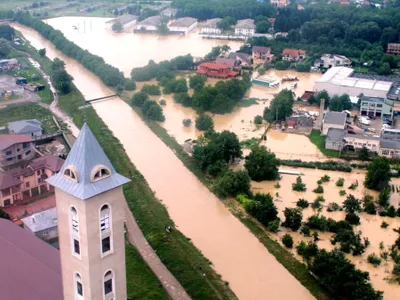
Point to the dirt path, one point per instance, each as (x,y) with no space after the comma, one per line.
(136,238)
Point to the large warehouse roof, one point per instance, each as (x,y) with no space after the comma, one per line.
(342,76)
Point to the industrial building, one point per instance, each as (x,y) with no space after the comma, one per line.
(343,80)
(149,24)
(126,21)
(183,25)
(376,106)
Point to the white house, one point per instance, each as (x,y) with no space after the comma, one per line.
(169,12)
(245,27)
(149,24)
(210,26)
(332,60)
(125,20)
(183,25)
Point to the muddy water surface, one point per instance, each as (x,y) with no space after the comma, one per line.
(236,254)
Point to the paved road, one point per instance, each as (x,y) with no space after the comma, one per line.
(136,238)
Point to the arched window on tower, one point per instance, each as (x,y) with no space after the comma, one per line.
(71,173)
(75,238)
(99,172)
(74,220)
(78,286)
(108,285)
(105,229)
(104,218)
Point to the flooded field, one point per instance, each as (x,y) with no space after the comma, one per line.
(236,254)
(370,224)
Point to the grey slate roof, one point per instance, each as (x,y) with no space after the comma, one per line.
(246,24)
(151,21)
(211,23)
(390,144)
(335,135)
(124,19)
(334,117)
(85,155)
(183,22)
(42,220)
(25,126)
(373,99)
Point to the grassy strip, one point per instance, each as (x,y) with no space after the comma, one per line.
(319,140)
(23,111)
(295,267)
(141,282)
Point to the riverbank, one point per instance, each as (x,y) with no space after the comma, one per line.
(176,251)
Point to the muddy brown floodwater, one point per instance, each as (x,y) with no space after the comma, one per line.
(252,272)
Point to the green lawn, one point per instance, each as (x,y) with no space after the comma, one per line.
(319,140)
(28,111)
(247,102)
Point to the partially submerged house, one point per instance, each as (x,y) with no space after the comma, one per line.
(211,27)
(242,59)
(263,53)
(293,54)
(245,27)
(333,119)
(126,21)
(183,25)
(216,70)
(149,24)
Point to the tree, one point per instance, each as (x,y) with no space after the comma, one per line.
(378,174)
(299,186)
(7,32)
(117,27)
(42,52)
(226,23)
(162,28)
(384,69)
(363,154)
(281,106)
(5,48)
(152,110)
(258,120)
(187,122)
(61,79)
(261,164)
(139,98)
(351,204)
(129,85)
(293,217)
(204,122)
(151,89)
(197,81)
(384,197)
(262,26)
(183,98)
(4,215)
(287,240)
(233,183)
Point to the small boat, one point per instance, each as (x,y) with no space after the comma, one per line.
(293,85)
(289,78)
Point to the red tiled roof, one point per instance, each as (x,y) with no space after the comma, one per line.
(293,52)
(306,95)
(261,49)
(23,210)
(30,268)
(7,181)
(213,66)
(51,162)
(226,61)
(7,140)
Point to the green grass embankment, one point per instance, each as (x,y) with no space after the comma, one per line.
(319,140)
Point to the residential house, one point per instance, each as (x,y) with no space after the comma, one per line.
(126,21)
(20,184)
(245,27)
(393,48)
(263,53)
(333,119)
(279,3)
(242,59)
(300,121)
(293,54)
(149,24)
(169,12)
(15,148)
(376,106)
(334,139)
(183,25)
(389,149)
(230,62)
(42,224)
(30,268)
(332,60)
(30,128)
(216,70)
(211,27)
(337,139)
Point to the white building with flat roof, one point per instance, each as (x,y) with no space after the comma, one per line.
(183,25)
(42,224)
(339,81)
(210,26)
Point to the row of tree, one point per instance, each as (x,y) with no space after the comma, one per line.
(59,76)
(110,75)
(150,108)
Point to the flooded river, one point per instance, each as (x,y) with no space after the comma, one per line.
(236,254)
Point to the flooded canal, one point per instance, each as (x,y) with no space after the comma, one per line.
(236,254)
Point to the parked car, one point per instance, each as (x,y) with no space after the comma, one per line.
(386,126)
(364,121)
(351,131)
(371,129)
(372,117)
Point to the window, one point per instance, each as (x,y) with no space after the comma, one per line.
(28,152)
(100,172)
(38,172)
(27,184)
(7,202)
(74,220)
(379,105)
(19,156)
(25,145)
(9,159)
(104,218)
(108,283)
(8,152)
(105,245)
(71,173)
(18,149)
(77,249)
(78,286)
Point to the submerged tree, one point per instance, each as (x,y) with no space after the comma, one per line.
(262,164)
(378,175)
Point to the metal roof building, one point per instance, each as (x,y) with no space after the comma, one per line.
(42,220)
(31,127)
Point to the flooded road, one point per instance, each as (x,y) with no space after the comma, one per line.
(236,254)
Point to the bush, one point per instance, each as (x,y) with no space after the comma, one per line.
(340,182)
(325,178)
(384,225)
(233,183)
(163,102)
(151,89)
(152,110)
(352,219)
(258,120)
(317,222)
(333,206)
(299,186)
(353,186)
(384,197)
(204,122)
(303,203)
(261,164)
(305,230)
(139,98)
(369,205)
(183,98)
(129,85)
(374,260)
(187,122)
(342,193)
(293,217)
(319,189)
(316,204)
(287,240)
(324,165)
(273,226)
(391,212)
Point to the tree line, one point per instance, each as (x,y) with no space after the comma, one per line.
(110,75)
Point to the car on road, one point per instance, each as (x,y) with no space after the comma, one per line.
(351,131)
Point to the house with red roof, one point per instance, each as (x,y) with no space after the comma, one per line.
(262,53)
(15,148)
(20,184)
(216,70)
(289,54)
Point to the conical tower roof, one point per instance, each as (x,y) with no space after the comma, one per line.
(85,158)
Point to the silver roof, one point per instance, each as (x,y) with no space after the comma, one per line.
(25,126)
(334,117)
(85,155)
(42,220)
